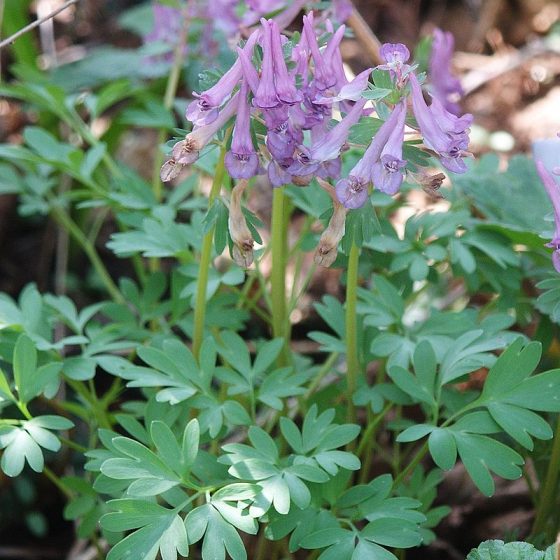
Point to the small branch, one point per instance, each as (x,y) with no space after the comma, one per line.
(365,35)
(36,23)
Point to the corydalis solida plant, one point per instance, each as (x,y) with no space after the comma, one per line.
(296,95)
(547,160)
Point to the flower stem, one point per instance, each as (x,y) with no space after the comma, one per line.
(548,494)
(64,219)
(365,443)
(278,274)
(205,260)
(412,465)
(352,362)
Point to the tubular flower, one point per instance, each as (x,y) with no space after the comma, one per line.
(353,191)
(206,108)
(266,97)
(443,132)
(547,156)
(386,171)
(445,87)
(331,144)
(242,161)
(285,86)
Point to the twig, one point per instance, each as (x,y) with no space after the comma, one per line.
(498,65)
(365,35)
(36,23)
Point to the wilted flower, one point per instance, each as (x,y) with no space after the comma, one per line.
(169,170)
(444,86)
(243,242)
(326,251)
(187,151)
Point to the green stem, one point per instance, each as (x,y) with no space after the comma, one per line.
(205,260)
(352,362)
(370,431)
(412,465)
(325,368)
(57,482)
(547,494)
(64,219)
(278,274)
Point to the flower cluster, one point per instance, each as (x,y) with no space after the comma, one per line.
(229,19)
(547,161)
(283,101)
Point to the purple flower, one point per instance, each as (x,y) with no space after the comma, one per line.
(553,190)
(266,97)
(396,56)
(352,191)
(249,72)
(324,76)
(242,161)
(285,87)
(205,109)
(278,174)
(443,132)
(386,172)
(547,160)
(288,14)
(167,23)
(351,91)
(445,87)
(282,140)
(342,9)
(188,150)
(312,160)
(331,144)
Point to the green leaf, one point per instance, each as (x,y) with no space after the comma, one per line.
(191,441)
(392,532)
(443,448)
(481,454)
(416,432)
(219,536)
(425,365)
(5,390)
(408,383)
(25,364)
(166,444)
(19,448)
(520,423)
(498,550)
(512,367)
(263,442)
(159,530)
